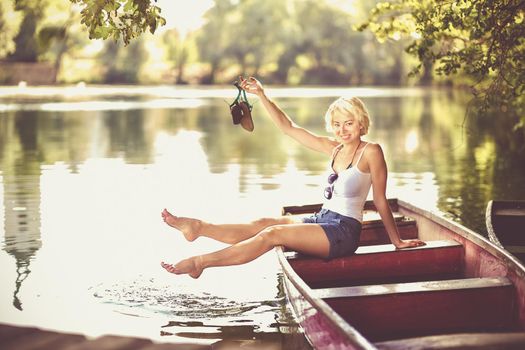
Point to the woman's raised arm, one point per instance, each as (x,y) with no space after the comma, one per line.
(284,122)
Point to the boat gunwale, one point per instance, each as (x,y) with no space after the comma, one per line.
(352,334)
(490,227)
(499,252)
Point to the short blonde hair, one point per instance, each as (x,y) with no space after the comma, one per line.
(352,106)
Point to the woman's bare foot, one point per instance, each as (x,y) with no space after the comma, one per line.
(191,266)
(189,227)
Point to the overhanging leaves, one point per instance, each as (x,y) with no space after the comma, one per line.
(120,19)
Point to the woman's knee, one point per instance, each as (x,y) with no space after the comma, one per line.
(272,235)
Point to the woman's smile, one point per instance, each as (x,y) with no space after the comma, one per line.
(345,137)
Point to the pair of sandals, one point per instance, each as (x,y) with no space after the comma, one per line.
(241,110)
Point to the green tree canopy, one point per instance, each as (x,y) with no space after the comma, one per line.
(9,27)
(481,40)
(120,19)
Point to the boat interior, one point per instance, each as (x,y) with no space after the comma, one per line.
(451,293)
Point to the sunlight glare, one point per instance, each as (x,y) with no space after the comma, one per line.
(185,18)
(396,36)
(411,141)
(417,188)
(175,103)
(415,35)
(348,6)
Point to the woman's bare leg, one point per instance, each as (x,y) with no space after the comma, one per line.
(305,238)
(227,233)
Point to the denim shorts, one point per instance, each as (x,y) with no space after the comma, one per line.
(343,232)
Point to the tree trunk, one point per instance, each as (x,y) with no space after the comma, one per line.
(428,67)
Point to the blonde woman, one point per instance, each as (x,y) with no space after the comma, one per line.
(354,166)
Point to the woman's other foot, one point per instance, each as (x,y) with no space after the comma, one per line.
(191,266)
(189,227)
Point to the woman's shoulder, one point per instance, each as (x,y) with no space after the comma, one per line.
(372,147)
(373,151)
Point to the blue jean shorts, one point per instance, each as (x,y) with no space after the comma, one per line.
(343,232)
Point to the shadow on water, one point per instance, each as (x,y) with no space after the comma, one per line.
(232,337)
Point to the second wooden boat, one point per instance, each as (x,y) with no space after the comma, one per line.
(459,291)
(505,221)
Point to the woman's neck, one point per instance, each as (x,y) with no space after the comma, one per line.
(351,146)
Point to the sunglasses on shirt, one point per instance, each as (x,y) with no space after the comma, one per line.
(329,190)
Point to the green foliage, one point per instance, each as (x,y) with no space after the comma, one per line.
(123,63)
(120,19)
(50,33)
(483,40)
(26,43)
(300,41)
(179,51)
(212,40)
(258,20)
(244,33)
(9,25)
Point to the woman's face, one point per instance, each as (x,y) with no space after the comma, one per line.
(346,127)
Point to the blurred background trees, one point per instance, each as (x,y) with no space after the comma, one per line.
(479,43)
(285,42)
(466,43)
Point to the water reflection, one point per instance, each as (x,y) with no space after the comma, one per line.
(21,189)
(125,158)
(21,225)
(218,321)
(284,333)
(242,337)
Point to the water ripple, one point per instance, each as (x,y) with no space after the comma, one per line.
(149,296)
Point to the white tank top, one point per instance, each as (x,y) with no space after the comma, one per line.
(350,191)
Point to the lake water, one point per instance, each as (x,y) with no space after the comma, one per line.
(86,171)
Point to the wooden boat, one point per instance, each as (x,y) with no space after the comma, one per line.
(459,291)
(505,220)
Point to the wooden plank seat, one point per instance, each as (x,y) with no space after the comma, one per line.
(479,341)
(394,311)
(373,231)
(313,208)
(437,260)
(510,212)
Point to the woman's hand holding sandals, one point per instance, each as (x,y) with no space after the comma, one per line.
(251,85)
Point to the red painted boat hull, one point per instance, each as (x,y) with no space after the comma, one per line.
(467,276)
